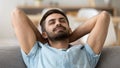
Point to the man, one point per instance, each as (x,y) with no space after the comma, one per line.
(51,49)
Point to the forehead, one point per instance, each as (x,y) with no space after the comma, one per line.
(54,16)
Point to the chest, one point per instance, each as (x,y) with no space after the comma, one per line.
(62,59)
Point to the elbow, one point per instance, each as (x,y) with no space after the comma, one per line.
(15,12)
(14,15)
(106,16)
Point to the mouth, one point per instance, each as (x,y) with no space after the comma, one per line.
(59,29)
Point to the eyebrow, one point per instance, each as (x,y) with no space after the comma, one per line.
(62,18)
(54,19)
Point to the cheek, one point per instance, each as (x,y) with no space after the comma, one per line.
(49,29)
(46,27)
(68,27)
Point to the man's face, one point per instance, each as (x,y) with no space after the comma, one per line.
(56,27)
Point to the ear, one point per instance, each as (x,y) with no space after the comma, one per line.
(44,34)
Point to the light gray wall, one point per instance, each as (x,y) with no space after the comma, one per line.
(5,24)
(6,6)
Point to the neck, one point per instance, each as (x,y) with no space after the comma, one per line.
(59,44)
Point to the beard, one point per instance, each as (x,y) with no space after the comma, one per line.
(58,37)
(61,35)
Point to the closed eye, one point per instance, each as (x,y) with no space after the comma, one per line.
(52,21)
(62,20)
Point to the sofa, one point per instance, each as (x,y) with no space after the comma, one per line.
(10,57)
(110,57)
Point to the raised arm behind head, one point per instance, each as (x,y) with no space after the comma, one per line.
(27,34)
(97,26)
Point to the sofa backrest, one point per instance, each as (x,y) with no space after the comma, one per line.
(10,57)
(110,57)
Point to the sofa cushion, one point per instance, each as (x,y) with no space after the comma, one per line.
(10,57)
(110,57)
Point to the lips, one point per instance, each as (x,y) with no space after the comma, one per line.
(60,28)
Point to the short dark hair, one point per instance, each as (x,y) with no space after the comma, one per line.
(49,12)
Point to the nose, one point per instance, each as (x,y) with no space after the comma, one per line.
(58,23)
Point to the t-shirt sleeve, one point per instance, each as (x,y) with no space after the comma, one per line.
(28,58)
(92,57)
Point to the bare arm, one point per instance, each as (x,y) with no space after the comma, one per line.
(97,27)
(83,29)
(99,32)
(27,34)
